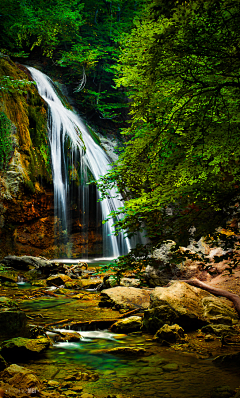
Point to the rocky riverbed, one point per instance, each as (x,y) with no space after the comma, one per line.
(61,337)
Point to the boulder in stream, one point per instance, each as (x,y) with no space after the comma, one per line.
(58,280)
(125,297)
(169,334)
(21,349)
(185,305)
(127,325)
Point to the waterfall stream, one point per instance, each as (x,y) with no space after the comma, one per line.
(71,144)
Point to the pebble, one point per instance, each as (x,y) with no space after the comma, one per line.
(77,388)
(170,367)
(53,383)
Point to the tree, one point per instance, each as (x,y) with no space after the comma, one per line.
(180,166)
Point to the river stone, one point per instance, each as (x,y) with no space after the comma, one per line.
(20,377)
(22,348)
(155,318)
(58,280)
(68,336)
(170,367)
(127,325)
(169,334)
(190,304)
(90,283)
(125,297)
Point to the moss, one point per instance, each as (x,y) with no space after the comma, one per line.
(5,140)
(26,110)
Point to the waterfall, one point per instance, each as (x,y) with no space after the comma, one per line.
(72,147)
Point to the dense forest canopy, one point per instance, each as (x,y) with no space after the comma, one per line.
(175,66)
(80,37)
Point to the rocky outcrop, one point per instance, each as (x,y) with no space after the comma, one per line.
(21,377)
(26,197)
(125,297)
(185,305)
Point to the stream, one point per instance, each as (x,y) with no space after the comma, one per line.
(159,372)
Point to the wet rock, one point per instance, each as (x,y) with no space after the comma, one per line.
(9,275)
(12,319)
(218,330)
(169,334)
(90,283)
(23,348)
(130,282)
(40,283)
(58,280)
(222,392)
(70,393)
(127,325)
(125,297)
(78,388)
(29,262)
(71,336)
(86,395)
(155,318)
(170,367)
(20,377)
(53,383)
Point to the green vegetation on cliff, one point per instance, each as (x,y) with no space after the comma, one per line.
(23,124)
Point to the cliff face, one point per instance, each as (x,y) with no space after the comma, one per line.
(26,194)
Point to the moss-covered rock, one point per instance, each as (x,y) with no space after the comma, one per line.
(23,348)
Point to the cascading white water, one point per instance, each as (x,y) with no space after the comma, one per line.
(66,126)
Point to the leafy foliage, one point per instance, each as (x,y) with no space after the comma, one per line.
(180,167)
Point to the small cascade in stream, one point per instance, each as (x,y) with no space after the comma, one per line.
(72,148)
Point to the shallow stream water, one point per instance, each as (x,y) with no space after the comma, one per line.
(160,372)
